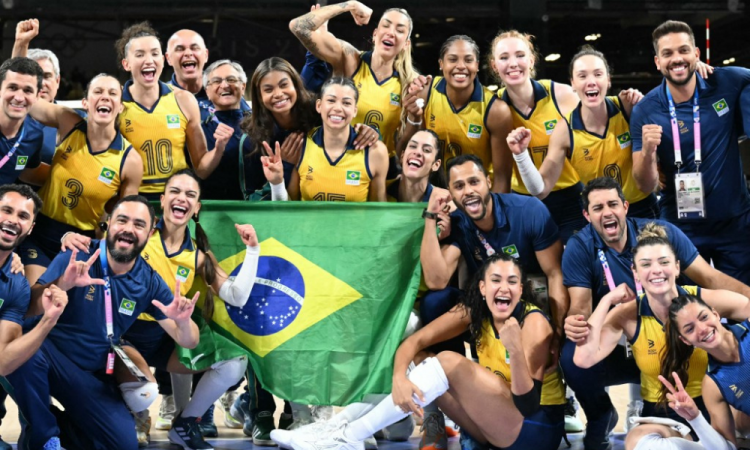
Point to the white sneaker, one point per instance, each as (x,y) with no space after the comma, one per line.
(634,410)
(572,423)
(167,411)
(227,401)
(308,431)
(143,428)
(327,441)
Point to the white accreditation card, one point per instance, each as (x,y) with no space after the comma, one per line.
(690,196)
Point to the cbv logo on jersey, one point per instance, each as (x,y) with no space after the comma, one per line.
(173,121)
(21,162)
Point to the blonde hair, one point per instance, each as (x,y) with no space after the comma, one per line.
(525,37)
(652,230)
(403,64)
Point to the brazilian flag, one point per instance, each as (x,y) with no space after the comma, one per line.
(335,285)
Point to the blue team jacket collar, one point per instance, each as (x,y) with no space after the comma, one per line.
(187,243)
(127,97)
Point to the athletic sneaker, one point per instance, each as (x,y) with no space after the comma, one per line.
(433,432)
(370,443)
(143,427)
(597,431)
(167,411)
(227,401)
(52,444)
(207,425)
(285,421)
(329,441)
(572,423)
(634,410)
(309,432)
(186,432)
(401,430)
(262,429)
(240,410)
(4,445)
(451,428)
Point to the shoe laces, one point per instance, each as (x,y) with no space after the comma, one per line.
(432,425)
(208,416)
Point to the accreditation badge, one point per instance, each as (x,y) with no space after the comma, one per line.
(132,368)
(690,196)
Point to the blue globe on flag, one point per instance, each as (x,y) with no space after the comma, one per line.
(275,300)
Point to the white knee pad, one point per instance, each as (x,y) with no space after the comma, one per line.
(231,371)
(139,395)
(430,378)
(654,441)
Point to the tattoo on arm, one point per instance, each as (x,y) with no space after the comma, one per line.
(343,5)
(303,29)
(348,48)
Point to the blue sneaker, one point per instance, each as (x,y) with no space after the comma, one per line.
(186,433)
(52,444)
(207,425)
(240,410)
(597,431)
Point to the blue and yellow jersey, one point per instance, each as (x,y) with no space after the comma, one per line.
(180,265)
(464,130)
(495,358)
(733,378)
(345,180)
(542,121)
(610,155)
(379,104)
(158,134)
(81,182)
(649,344)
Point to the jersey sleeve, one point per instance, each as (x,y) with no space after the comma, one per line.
(683,246)
(576,265)
(542,229)
(14,308)
(160,291)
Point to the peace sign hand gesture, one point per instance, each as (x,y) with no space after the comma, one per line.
(273,169)
(181,307)
(679,400)
(77,272)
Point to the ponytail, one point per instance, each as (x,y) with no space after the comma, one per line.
(209,268)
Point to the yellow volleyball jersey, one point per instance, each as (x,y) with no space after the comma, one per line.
(81,181)
(610,155)
(177,266)
(542,121)
(649,345)
(345,180)
(495,358)
(461,131)
(158,134)
(379,104)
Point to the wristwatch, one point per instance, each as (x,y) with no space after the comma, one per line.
(429,215)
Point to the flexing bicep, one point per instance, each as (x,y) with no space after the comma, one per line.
(322,43)
(132,174)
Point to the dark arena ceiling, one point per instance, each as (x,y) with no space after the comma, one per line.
(82,32)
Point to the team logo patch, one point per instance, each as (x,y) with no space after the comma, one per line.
(511,250)
(21,162)
(624,139)
(309,175)
(107,175)
(395,99)
(127,307)
(352,177)
(182,274)
(721,107)
(549,126)
(475,131)
(173,121)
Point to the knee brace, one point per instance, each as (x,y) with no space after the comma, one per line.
(139,395)
(430,378)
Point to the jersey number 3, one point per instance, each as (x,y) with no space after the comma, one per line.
(158,157)
(76,191)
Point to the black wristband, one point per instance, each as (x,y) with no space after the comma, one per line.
(429,215)
(528,403)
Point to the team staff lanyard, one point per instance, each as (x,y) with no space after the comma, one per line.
(487,247)
(688,186)
(107,307)
(610,278)
(13,149)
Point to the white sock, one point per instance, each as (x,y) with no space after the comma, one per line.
(654,441)
(182,384)
(220,377)
(429,378)
(356,410)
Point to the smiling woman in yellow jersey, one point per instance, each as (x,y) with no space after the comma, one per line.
(92,165)
(539,106)
(381,75)
(466,116)
(641,320)
(331,168)
(595,139)
(160,122)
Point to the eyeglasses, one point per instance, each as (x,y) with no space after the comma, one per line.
(232,81)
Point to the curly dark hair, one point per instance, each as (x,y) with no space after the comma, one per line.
(138,30)
(475,304)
